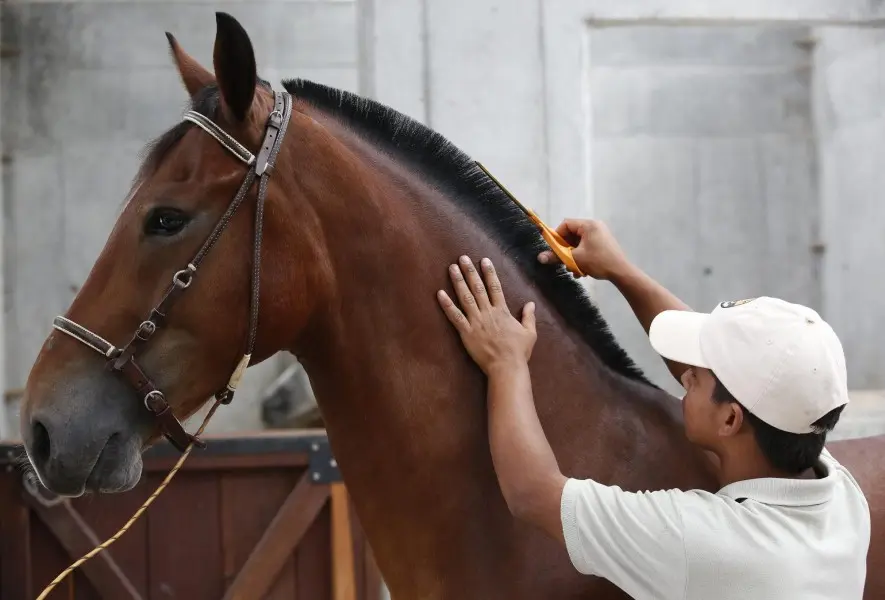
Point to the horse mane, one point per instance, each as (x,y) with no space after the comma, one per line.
(445,167)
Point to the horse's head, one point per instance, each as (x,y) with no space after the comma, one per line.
(100,388)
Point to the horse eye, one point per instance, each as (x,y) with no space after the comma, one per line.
(165,221)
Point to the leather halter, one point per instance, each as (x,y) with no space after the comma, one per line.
(122,360)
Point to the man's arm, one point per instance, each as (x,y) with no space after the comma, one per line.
(600,256)
(648,299)
(635,540)
(527,470)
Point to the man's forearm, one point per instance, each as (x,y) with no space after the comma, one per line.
(648,299)
(526,467)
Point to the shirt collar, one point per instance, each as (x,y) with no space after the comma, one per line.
(785,492)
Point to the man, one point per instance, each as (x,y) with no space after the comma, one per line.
(765,380)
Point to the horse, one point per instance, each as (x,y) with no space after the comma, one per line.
(364,210)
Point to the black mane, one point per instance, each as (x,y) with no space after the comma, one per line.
(446,167)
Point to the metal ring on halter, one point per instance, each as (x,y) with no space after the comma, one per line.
(179,280)
(146,330)
(153,394)
(32,485)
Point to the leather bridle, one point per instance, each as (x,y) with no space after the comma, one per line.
(123,360)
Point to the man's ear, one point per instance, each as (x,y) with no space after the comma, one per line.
(194,76)
(235,68)
(734,419)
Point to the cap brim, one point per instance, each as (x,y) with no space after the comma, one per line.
(676,335)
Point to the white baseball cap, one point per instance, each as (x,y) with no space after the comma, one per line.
(780,360)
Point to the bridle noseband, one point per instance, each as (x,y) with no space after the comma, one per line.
(122,360)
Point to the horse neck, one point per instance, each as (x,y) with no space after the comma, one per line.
(404,405)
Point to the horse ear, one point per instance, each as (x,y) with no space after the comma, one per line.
(194,76)
(235,68)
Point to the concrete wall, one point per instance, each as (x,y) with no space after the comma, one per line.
(92,83)
(470,69)
(639,112)
(850,104)
(673,120)
(703,163)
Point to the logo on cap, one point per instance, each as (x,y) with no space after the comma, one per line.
(733,303)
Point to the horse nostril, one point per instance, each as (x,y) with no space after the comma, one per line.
(40,447)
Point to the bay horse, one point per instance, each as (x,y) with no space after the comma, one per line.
(365,209)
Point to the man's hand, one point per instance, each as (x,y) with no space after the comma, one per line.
(596,252)
(530,479)
(599,256)
(492,336)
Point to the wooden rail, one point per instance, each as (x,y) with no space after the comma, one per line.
(254,516)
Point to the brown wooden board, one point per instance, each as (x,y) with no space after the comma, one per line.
(285,532)
(76,535)
(106,514)
(320,562)
(48,559)
(196,538)
(246,516)
(16,550)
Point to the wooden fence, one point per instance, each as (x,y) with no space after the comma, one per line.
(253,517)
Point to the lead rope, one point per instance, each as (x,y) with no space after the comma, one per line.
(95,551)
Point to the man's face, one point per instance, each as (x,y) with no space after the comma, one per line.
(706,421)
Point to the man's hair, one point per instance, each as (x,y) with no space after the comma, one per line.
(789,452)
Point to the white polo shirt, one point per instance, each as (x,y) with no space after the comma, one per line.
(764,539)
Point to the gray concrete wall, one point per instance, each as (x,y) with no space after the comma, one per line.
(850,107)
(596,108)
(577,115)
(472,70)
(92,83)
(703,162)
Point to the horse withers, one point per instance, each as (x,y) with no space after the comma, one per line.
(363,212)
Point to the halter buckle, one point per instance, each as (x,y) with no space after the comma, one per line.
(146,330)
(155,402)
(184,277)
(275,119)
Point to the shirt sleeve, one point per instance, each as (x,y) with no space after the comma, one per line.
(633,539)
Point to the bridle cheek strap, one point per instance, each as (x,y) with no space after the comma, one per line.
(123,360)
